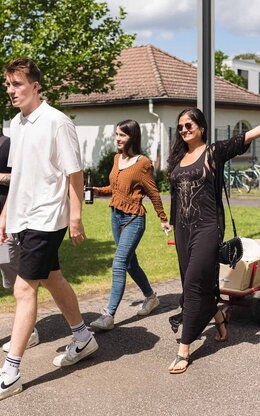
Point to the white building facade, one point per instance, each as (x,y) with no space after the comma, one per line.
(249,70)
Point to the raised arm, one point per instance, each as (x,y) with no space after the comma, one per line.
(252,135)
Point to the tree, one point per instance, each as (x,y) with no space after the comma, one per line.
(225,72)
(254,56)
(75,43)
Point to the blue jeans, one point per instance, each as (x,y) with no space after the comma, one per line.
(125,259)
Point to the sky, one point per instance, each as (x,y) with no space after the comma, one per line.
(172,25)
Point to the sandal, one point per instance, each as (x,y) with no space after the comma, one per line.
(177,360)
(218,326)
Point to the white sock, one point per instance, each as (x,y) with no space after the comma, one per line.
(80,332)
(11,365)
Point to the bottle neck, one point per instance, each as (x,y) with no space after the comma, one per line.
(89,179)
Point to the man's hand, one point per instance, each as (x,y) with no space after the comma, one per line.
(77,233)
(3,235)
(5,179)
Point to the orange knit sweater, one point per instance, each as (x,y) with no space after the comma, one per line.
(130,185)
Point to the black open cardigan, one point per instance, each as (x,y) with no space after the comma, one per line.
(218,154)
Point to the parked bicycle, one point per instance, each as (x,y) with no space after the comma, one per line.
(254,174)
(238,179)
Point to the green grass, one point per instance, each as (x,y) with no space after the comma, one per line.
(88,266)
(254,193)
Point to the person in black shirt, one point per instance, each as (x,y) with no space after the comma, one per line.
(9,270)
(197,215)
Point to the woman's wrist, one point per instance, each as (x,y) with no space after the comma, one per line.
(96,191)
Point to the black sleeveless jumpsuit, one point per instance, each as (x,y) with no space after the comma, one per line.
(197,241)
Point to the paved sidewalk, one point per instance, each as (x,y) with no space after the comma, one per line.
(243,201)
(128,375)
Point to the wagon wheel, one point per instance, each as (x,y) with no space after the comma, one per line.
(255,308)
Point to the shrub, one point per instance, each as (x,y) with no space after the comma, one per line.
(101,173)
(162,182)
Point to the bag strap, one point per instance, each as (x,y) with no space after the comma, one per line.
(122,227)
(225,189)
(232,219)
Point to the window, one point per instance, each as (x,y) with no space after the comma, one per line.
(242,127)
(243,74)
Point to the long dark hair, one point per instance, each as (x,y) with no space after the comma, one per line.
(132,129)
(180,147)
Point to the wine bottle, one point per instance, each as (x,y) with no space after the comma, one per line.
(89,194)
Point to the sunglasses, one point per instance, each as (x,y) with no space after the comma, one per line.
(188,126)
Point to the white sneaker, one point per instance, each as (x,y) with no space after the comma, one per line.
(105,321)
(148,305)
(33,340)
(75,352)
(9,386)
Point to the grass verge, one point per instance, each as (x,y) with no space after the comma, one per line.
(88,266)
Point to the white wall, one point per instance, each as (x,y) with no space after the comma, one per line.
(96,128)
(232,117)
(253,71)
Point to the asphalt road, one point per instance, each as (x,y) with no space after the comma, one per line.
(128,375)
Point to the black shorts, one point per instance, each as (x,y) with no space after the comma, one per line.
(39,253)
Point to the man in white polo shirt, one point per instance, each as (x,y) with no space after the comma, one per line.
(45,197)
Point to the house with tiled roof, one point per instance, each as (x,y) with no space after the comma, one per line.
(153,87)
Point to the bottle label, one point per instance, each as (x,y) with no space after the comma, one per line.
(87,195)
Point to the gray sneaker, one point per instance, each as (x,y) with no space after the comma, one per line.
(75,352)
(33,340)
(149,304)
(105,321)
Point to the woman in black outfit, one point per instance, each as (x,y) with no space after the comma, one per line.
(196,177)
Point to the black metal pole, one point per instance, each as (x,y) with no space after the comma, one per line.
(229,163)
(207,64)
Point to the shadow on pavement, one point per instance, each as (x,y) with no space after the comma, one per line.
(240,318)
(133,340)
(54,326)
(112,346)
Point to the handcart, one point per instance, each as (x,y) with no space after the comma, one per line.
(240,286)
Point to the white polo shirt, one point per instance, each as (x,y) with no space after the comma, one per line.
(44,151)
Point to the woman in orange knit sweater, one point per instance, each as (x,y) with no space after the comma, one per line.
(131,179)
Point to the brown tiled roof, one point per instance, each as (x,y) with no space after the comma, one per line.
(148,72)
